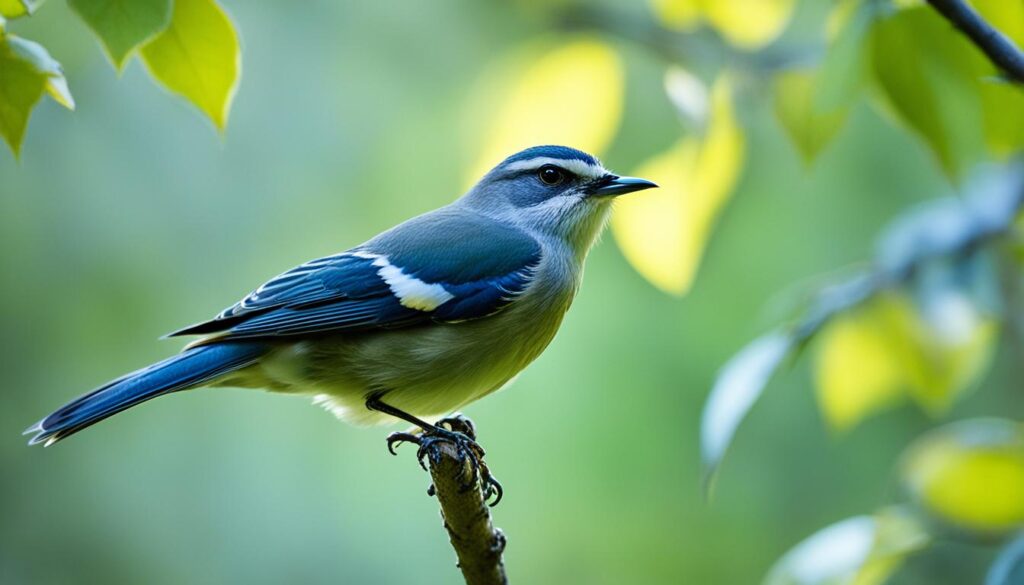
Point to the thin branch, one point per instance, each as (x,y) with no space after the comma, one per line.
(467,518)
(1003,53)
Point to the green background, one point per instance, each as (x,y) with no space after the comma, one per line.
(130,218)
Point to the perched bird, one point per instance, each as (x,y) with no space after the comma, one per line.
(415,323)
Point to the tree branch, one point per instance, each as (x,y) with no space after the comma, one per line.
(1005,55)
(467,518)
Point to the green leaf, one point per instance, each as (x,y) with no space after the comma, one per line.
(37,55)
(928,82)
(845,66)
(198,57)
(21,86)
(809,128)
(123,25)
(1003,105)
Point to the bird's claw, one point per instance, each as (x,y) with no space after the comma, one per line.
(458,431)
(460,424)
(396,439)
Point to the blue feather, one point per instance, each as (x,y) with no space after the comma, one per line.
(481,262)
(551,151)
(482,298)
(456,246)
(190,368)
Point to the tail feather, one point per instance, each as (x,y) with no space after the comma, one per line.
(192,367)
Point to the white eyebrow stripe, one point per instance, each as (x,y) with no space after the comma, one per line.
(575,166)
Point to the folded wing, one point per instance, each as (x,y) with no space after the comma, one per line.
(446,266)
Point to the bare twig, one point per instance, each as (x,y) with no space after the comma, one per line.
(467,518)
(1003,53)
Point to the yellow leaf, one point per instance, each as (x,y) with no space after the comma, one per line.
(970,473)
(677,14)
(650,230)
(1007,16)
(570,95)
(663,233)
(198,57)
(14,8)
(856,374)
(885,349)
(749,23)
(952,345)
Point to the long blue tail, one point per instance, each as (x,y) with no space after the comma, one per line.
(191,368)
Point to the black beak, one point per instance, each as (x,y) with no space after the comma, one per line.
(611,185)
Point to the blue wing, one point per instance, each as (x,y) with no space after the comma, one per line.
(448,265)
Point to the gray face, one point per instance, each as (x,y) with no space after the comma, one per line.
(553,190)
(540,174)
(534,181)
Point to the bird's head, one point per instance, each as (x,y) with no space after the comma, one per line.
(554,190)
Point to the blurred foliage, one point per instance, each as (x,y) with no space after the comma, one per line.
(189,46)
(970,473)
(747,23)
(869,356)
(569,93)
(1009,566)
(782,133)
(865,550)
(923,322)
(663,236)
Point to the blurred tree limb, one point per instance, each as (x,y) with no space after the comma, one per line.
(702,49)
(942,235)
(463,496)
(997,46)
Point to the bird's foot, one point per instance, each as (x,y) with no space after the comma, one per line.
(459,432)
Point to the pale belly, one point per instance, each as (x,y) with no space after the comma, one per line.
(428,371)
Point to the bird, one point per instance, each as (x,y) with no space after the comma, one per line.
(413,324)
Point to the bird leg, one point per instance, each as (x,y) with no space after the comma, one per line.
(456,430)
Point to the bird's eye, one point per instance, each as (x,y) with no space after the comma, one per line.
(551,175)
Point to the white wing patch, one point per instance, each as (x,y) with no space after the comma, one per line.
(411,292)
(574,166)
